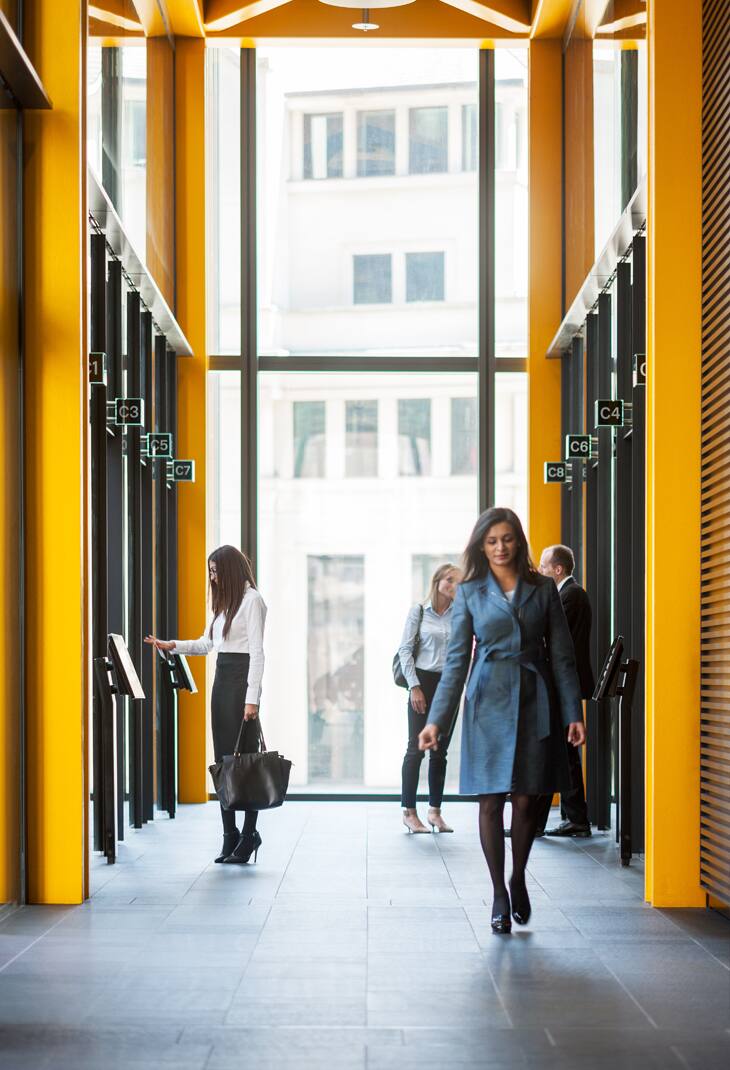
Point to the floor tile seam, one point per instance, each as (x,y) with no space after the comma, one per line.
(492,978)
(626,989)
(34,942)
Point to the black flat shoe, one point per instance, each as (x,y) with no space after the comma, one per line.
(248,844)
(501,924)
(521,908)
(568,828)
(230,839)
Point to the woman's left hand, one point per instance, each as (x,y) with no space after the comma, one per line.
(250,712)
(577,733)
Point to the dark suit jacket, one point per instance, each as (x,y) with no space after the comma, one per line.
(577,608)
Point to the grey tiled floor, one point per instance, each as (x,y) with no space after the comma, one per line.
(353,945)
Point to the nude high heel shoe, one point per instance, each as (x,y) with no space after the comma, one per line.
(436,821)
(412,821)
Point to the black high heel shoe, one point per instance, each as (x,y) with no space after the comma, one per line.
(230,839)
(501,924)
(248,844)
(521,908)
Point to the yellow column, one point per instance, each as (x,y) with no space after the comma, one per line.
(545,169)
(192,372)
(673,454)
(56,452)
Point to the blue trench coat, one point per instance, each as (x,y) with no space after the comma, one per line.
(524,665)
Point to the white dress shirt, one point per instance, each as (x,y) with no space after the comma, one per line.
(435,633)
(563,582)
(245,637)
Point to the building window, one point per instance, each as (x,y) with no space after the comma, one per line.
(136,133)
(375,143)
(323,146)
(361,438)
(469,142)
(414,437)
(424,276)
(335,668)
(464,436)
(372,279)
(309,439)
(429,140)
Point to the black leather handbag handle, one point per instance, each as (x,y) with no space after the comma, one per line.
(262,741)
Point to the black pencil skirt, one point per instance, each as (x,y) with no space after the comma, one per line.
(226,709)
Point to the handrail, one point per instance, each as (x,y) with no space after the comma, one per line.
(618,245)
(104,216)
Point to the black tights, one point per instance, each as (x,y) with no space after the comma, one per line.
(229,821)
(491,834)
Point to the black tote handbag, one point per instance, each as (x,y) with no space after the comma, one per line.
(398,674)
(255,781)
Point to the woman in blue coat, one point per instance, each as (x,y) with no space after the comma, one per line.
(522,697)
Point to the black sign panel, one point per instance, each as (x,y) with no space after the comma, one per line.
(609,412)
(181,471)
(556,472)
(578,447)
(639,369)
(160,445)
(129,412)
(97,369)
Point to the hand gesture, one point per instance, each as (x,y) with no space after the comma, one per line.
(250,712)
(160,644)
(429,737)
(577,733)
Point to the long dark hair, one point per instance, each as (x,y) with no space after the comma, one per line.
(476,565)
(234,573)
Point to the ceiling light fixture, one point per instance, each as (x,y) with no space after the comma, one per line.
(366,24)
(375,4)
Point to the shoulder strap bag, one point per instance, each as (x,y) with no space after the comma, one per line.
(397,667)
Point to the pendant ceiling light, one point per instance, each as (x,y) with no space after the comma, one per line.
(373,3)
(366,24)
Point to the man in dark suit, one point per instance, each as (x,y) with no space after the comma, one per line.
(559,562)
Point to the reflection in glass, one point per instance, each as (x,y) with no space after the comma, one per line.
(414,437)
(464,436)
(224,202)
(428,140)
(361,438)
(425,277)
(372,281)
(309,439)
(469,142)
(323,146)
(335,668)
(375,143)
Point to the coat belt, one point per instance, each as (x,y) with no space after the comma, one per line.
(534,660)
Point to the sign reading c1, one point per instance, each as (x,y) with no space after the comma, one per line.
(97,369)
(556,472)
(639,369)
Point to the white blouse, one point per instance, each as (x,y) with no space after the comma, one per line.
(245,637)
(435,634)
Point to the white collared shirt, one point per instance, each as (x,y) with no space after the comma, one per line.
(563,582)
(245,637)
(435,634)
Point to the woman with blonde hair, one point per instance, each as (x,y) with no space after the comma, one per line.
(422,653)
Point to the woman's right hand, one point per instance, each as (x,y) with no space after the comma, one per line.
(418,700)
(160,644)
(429,737)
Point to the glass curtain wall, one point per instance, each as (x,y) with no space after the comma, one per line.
(368,250)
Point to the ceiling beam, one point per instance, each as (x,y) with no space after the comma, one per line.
(114,13)
(550,17)
(496,15)
(223,16)
(185,17)
(152,16)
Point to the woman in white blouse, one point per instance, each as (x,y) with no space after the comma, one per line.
(236,631)
(432,623)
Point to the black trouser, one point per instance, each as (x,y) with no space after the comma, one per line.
(413,756)
(226,709)
(572,803)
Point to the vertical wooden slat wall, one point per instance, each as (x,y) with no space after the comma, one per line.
(715,642)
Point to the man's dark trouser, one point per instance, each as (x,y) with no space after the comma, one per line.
(572,803)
